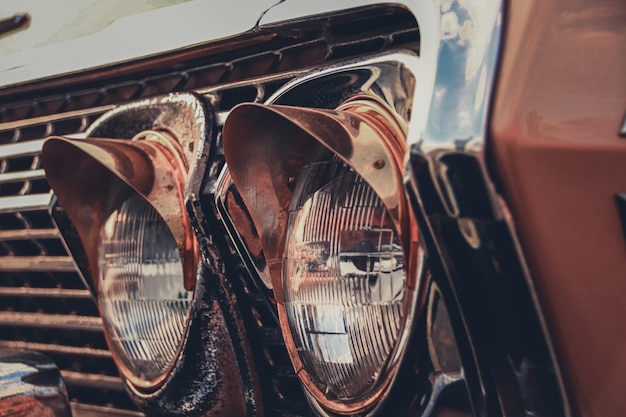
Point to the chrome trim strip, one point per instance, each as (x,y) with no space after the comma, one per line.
(27,234)
(37,264)
(54,321)
(16,150)
(36,174)
(55,349)
(80,379)
(22,203)
(43,292)
(55,118)
(88,410)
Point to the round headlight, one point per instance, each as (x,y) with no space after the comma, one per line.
(144,304)
(345,287)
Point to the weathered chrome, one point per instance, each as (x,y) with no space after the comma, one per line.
(43,292)
(30,384)
(23,203)
(88,410)
(9,177)
(55,349)
(81,379)
(240,226)
(16,150)
(58,117)
(36,263)
(27,234)
(54,321)
(389,78)
(364,122)
(182,115)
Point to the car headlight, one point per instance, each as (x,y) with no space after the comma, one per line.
(344,283)
(127,206)
(144,303)
(324,189)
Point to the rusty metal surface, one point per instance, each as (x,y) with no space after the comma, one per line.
(54,321)
(36,263)
(86,191)
(200,377)
(54,349)
(264,171)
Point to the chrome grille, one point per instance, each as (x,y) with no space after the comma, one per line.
(44,305)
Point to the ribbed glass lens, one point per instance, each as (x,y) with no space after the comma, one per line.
(344,281)
(144,304)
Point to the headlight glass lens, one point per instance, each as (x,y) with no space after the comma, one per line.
(144,304)
(344,282)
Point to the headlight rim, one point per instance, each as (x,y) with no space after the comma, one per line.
(372,399)
(138,382)
(413,249)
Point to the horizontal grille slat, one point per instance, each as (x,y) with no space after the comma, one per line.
(16,150)
(43,292)
(55,321)
(22,176)
(57,118)
(88,410)
(55,349)
(81,379)
(22,203)
(36,264)
(29,234)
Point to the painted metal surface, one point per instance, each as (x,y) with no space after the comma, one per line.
(467,221)
(555,145)
(30,384)
(134,37)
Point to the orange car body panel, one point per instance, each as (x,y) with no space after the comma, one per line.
(555,145)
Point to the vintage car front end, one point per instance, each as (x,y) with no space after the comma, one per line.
(318,209)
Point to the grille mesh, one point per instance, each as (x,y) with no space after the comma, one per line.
(44,305)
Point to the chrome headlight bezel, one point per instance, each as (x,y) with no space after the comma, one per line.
(384,83)
(212,347)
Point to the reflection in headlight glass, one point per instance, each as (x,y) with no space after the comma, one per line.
(144,304)
(345,281)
